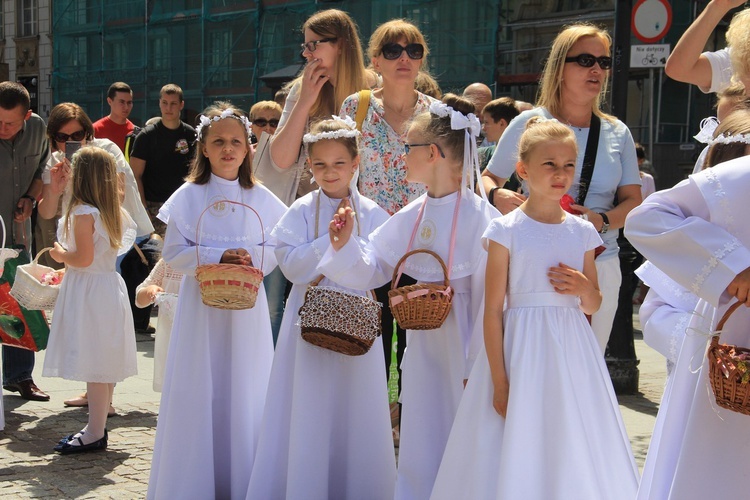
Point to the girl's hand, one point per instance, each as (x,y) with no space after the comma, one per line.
(740,287)
(59,176)
(237,256)
(500,397)
(313,79)
(568,281)
(147,295)
(58,253)
(340,228)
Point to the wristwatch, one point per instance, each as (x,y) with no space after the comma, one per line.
(605,223)
(33,200)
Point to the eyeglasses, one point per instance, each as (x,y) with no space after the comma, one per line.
(262,122)
(407,147)
(393,51)
(75,136)
(312,46)
(588,60)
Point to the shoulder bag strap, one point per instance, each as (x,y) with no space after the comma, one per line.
(589,158)
(362,105)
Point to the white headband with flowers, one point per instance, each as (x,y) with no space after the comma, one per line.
(227,113)
(349,131)
(470,124)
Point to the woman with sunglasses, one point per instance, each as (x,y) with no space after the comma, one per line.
(573,84)
(264,117)
(397,51)
(334,69)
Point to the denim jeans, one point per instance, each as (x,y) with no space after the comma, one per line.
(18,364)
(275,284)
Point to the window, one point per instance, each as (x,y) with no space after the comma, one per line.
(27,18)
(220,57)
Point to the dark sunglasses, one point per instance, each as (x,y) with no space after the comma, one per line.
(75,136)
(262,122)
(588,60)
(393,51)
(311,46)
(407,147)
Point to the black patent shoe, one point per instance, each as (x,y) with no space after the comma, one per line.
(66,448)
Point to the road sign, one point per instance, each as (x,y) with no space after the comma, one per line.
(649,56)
(651,20)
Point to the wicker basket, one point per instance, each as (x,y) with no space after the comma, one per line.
(228,286)
(339,321)
(729,375)
(28,289)
(423,306)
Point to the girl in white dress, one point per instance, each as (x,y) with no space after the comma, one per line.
(326,429)
(92,338)
(440,152)
(161,286)
(219,360)
(539,418)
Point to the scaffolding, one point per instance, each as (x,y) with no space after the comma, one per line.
(218,49)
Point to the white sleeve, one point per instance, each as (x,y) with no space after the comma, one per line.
(296,262)
(721,70)
(664,325)
(180,253)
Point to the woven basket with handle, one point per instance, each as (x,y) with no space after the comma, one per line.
(28,288)
(228,286)
(729,370)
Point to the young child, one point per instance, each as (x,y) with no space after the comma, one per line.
(336,443)
(449,220)
(539,418)
(92,338)
(672,327)
(161,286)
(219,360)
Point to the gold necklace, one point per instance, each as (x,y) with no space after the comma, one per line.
(239,196)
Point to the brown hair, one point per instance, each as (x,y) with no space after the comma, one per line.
(540,130)
(118,87)
(265,106)
(503,108)
(427,85)
(61,115)
(550,88)
(13,94)
(737,123)
(350,66)
(94,182)
(200,168)
(171,89)
(438,129)
(391,32)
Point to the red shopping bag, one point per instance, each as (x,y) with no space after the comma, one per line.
(19,327)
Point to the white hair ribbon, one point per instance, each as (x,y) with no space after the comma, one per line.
(708,127)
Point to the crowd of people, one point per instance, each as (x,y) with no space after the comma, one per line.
(508,395)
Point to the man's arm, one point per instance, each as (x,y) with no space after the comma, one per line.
(139,166)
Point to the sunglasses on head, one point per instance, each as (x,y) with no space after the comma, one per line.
(262,122)
(588,60)
(75,136)
(393,51)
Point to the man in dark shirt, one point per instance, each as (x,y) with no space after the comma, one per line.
(162,154)
(24,150)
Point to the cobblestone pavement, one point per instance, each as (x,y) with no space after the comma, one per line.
(30,469)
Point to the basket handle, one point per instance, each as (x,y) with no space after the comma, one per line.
(232,202)
(732,308)
(317,281)
(2,223)
(397,275)
(39,254)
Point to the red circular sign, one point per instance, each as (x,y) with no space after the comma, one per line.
(651,20)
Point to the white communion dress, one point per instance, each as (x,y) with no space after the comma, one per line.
(563,436)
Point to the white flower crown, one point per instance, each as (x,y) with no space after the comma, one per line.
(349,131)
(227,113)
(459,121)
(730,139)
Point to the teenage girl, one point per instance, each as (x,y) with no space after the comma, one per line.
(92,338)
(539,418)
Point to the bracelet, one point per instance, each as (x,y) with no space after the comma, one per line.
(33,200)
(491,195)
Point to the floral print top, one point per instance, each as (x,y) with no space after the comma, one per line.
(382,168)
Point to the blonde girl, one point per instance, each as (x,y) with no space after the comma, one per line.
(92,338)
(541,373)
(325,411)
(219,360)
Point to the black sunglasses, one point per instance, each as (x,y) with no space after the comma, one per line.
(311,46)
(588,60)
(393,51)
(75,136)
(262,122)
(407,147)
